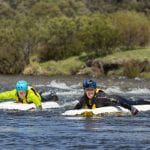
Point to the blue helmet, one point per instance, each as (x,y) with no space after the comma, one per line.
(89,84)
(22,85)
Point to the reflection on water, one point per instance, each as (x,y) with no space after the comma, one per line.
(7,129)
(91,124)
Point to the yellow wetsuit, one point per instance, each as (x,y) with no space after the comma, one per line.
(32,97)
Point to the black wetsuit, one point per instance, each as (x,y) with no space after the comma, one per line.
(51,96)
(101,99)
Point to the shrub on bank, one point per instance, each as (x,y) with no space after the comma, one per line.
(101,34)
(132,69)
(12,58)
(69,66)
(133,29)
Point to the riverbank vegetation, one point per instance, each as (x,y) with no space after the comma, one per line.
(132,63)
(68,34)
(69,66)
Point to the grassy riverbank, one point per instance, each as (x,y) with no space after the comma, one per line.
(139,54)
(62,67)
(72,65)
(135,63)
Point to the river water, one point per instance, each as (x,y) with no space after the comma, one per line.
(51,130)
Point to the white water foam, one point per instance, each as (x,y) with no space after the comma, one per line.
(118,90)
(72,103)
(76,86)
(71,93)
(139,91)
(114,89)
(76,89)
(59,85)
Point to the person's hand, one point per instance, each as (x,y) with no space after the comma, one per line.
(32,109)
(35,109)
(134,111)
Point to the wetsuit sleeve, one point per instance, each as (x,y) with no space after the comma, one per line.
(122,101)
(102,99)
(8,95)
(35,98)
(80,104)
(101,94)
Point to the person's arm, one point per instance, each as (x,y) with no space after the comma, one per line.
(125,103)
(80,104)
(8,95)
(36,99)
(101,94)
(102,99)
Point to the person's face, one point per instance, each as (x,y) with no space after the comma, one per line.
(90,92)
(22,94)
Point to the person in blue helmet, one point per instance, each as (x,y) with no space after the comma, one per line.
(94,98)
(23,94)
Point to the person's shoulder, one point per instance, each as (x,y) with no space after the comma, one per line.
(32,89)
(82,98)
(98,90)
(13,91)
(100,93)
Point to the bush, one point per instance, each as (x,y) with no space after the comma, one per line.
(11,61)
(60,39)
(132,69)
(15,47)
(99,34)
(133,29)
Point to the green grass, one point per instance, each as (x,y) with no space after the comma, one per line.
(73,64)
(145,75)
(139,54)
(63,67)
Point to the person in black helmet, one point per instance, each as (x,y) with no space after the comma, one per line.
(94,98)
